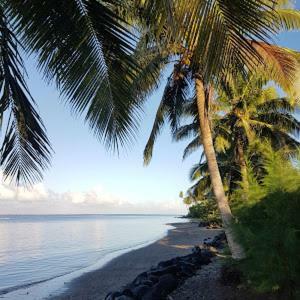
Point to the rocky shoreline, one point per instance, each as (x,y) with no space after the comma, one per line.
(123,270)
(158,282)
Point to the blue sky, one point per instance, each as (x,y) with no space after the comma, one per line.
(81,164)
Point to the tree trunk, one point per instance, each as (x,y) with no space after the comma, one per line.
(203,98)
(242,165)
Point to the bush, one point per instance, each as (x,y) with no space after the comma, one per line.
(206,211)
(270,232)
(269,228)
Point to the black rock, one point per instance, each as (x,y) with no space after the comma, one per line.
(148,282)
(218,242)
(159,272)
(159,281)
(186,272)
(127,292)
(203,224)
(113,295)
(167,283)
(124,298)
(154,279)
(140,291)
(196,250)
(140,278)
(167,263)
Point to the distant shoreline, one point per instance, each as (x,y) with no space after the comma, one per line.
(123,269)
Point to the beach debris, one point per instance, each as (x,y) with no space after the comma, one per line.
(161,280)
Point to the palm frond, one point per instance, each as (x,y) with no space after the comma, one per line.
(156,128)
(286,19)
(26,150)
(284,121)
(170,108)
(223,33)
(187,131)
(193,146)
(276,105)
(279,64)
(85,48)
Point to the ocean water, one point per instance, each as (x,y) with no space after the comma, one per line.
(36,249)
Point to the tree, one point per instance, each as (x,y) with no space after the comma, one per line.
(257,113)
(87,49)
(244,114)
(198,71)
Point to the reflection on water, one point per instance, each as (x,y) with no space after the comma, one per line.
(34,248)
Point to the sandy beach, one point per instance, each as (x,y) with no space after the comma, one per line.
(123,269)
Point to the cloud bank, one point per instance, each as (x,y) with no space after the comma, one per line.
(40,200)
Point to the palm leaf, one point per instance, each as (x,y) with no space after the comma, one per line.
(170,108)
(85,48)
(193,146)
(286,19)
(25,151)
(279,64)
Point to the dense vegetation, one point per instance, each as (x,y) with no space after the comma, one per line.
(266,203)
(106,57)
(269,227)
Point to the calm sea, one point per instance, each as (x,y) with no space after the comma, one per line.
(38,248)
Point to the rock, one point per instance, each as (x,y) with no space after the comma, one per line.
(164,264)
(159,272)
(140,291)
(148,282)
(127,292)
(196,250)
(124,298)
(154,279)
(161,280)
(206,257)
(167,283)
(218,242)
(203,224)
(140,278)
(113,295)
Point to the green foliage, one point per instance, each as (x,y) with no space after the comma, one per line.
(247,116)
(269,228)
(206,211)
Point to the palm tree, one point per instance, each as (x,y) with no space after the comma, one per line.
(86,48)
(258,113)
(244,113)
(194,70)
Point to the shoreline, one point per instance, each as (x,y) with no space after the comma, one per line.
(124,268)
(56,286)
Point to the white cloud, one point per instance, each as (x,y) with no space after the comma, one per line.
(40,200)
(36,193)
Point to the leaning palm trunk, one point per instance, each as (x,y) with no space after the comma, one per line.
(217,185)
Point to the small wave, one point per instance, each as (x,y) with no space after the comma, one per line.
(30,284)
(5,218)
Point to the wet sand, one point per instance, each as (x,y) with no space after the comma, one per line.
(123,269)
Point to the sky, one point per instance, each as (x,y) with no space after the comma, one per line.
(86,178)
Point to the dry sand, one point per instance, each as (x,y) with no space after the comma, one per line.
(125,268)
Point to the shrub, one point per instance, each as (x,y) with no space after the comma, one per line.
(206,211)
(269,228)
